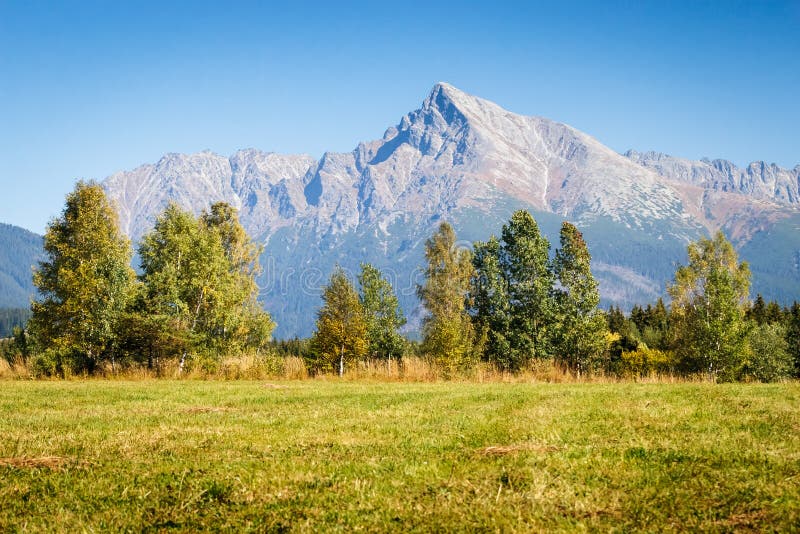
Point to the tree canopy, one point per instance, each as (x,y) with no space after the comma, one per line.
(85,282)
(709,298)
(447,333)
(382,313)
(341,334)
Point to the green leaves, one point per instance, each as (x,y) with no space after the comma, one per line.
(709,297)
(199,281)
(579,333)
(491,307)
(382,314)
(525,261)
(85,281)
(512,294)
(447,331)
(341,335)
(519,313)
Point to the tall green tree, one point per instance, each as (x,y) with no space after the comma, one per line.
(341,334)
(199,283)
(525,261)
(447,329)
(491,308)
(579,333)
(84,283)
(382,314)
(245,323)
(709,299)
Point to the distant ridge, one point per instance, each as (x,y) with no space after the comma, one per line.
(467,160)
(20,250)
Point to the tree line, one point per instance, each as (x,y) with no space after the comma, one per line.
(509,302)
(194,299)
(12,319)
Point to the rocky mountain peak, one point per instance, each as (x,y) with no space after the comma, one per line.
(466,160)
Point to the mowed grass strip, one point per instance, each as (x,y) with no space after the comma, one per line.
(323,455)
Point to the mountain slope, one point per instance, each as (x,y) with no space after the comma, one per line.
(20,250)
(758,180)
(457,158)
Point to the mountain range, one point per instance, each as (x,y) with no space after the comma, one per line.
(470,162)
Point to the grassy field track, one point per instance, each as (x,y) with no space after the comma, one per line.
(317,455)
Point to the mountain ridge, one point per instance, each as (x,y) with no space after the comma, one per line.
(460,158)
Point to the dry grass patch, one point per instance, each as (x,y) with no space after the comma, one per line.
(46,462)
(206,409)
(502,450)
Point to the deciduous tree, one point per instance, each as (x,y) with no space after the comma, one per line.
(709,298)
(341,335)
(526,263)
(199,282)
(447,329)
(85,282)
(491,308)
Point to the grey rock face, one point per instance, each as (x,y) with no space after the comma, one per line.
(758,180)
(469,161)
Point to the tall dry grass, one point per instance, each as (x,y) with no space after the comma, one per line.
(15,370)
(410,369)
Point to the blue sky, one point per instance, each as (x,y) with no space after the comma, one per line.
(90,88)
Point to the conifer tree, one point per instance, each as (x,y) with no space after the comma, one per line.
(85,282)
(709,298)
(341,335)
(773,314)
(490,303)
(447,330)
(579,337)
(758,310)
(525,260)
(382,313)
(793,336)
(659,318)
(615,319)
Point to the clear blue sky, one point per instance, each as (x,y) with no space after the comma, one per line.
(90,88)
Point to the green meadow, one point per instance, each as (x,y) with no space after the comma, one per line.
(329,455)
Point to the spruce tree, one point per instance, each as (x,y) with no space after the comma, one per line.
(773,314)
(447,329)
(579,334)
(490,303)
(525,262)
(615,319)
(85,283)
(758,310)
(382,314)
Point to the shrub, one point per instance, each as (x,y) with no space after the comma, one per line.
(768,356)
(645,361)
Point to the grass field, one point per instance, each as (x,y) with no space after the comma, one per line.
(326,455)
